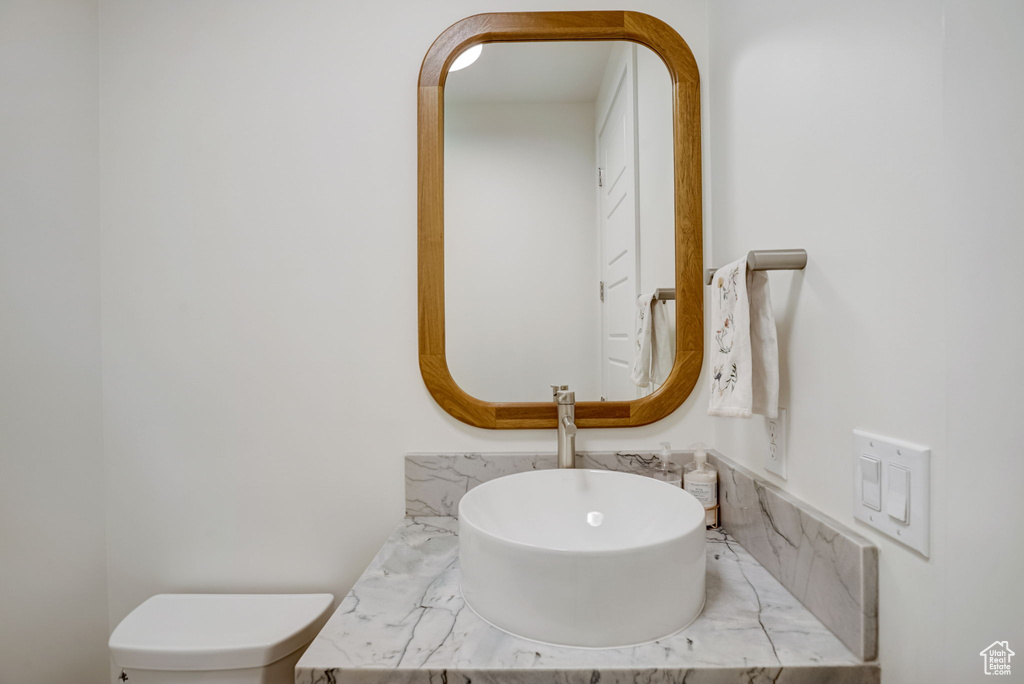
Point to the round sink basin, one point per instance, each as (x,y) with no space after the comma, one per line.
(591,558)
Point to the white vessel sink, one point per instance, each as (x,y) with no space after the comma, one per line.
(590,558)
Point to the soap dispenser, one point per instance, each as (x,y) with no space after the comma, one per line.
(665,470)
(701,480)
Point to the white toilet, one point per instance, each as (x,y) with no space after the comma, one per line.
(217,638)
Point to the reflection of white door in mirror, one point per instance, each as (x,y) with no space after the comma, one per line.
(528,232)
(618,221)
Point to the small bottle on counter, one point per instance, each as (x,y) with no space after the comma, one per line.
(665,470)
(701,480)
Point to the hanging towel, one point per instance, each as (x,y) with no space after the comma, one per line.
(655,342)
(744,349)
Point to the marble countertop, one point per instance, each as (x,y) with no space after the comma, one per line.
(405,622)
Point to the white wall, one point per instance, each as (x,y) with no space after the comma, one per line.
(259,288)
(984,240)
(521,250)
(829,135)
(53,597)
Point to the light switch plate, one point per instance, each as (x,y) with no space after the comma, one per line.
(776,448)
(904,458)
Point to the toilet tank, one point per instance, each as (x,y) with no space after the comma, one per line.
(217,638)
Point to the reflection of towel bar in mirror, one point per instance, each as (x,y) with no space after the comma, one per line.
(663,294)
(770,260)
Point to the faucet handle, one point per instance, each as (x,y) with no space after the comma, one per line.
(555,389)
(569,425)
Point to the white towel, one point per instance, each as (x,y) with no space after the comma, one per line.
(744,348)
(655,342)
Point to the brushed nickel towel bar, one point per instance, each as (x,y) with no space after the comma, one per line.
(757,260)
(770,260)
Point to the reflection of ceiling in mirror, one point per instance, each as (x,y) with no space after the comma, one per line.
(532,72)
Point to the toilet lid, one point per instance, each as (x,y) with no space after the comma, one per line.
(217,631)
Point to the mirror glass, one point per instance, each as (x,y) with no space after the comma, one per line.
(558,216)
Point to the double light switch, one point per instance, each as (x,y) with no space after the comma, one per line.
(891,487)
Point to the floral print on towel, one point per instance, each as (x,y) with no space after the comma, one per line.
(726,386)
(641,316)
(728,287)
(724,335)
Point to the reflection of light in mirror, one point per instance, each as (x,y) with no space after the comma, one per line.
(466,58)
(595,518)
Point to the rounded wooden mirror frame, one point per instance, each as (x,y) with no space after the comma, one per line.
(537,26)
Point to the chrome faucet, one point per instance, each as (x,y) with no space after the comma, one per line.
(566,402)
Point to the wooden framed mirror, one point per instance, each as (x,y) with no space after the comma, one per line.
(685,222)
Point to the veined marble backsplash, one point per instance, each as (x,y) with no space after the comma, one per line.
(435,483)
(830,568)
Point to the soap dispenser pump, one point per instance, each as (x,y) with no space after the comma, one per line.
(701,480)
(665,470)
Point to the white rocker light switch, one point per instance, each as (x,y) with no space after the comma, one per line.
(871,482)
(898,496)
